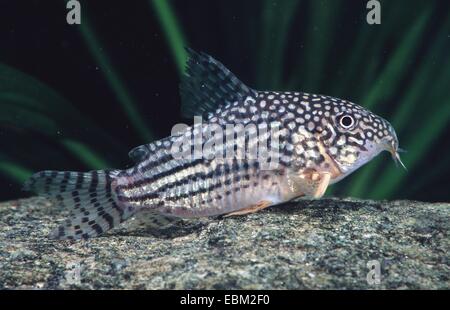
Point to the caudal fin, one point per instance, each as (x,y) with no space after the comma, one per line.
(90,197)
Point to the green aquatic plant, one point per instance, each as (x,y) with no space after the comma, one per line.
(116,83)
(29,106)
(171,28)
(385,86)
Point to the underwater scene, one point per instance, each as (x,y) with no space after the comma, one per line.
(101,100)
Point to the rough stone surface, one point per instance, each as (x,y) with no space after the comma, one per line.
(324,244)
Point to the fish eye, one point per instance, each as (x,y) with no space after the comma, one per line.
(346,121)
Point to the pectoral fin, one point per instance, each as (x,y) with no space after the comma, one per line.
(314,184)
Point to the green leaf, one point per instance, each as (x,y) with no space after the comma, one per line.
(115,81)
(172,31)
(273,39)
(391,76)
(406,109)
(90,158)
(28,106)
(15,171)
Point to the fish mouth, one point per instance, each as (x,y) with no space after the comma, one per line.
(395,150)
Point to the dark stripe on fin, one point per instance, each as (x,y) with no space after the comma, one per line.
(208,84)
(90,197)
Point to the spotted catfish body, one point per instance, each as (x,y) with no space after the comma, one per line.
(303,143)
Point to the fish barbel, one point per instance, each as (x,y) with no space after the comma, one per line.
(311,141)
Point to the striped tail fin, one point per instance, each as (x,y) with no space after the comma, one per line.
(90,197)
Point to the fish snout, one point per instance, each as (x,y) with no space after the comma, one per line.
(391,144)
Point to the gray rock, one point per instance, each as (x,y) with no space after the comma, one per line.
(323,244)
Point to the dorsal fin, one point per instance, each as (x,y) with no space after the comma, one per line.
(207,84)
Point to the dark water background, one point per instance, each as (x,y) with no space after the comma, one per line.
(79,97)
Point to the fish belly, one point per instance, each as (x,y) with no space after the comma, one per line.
(233,190)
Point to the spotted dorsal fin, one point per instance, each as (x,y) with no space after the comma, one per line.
(207,84)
